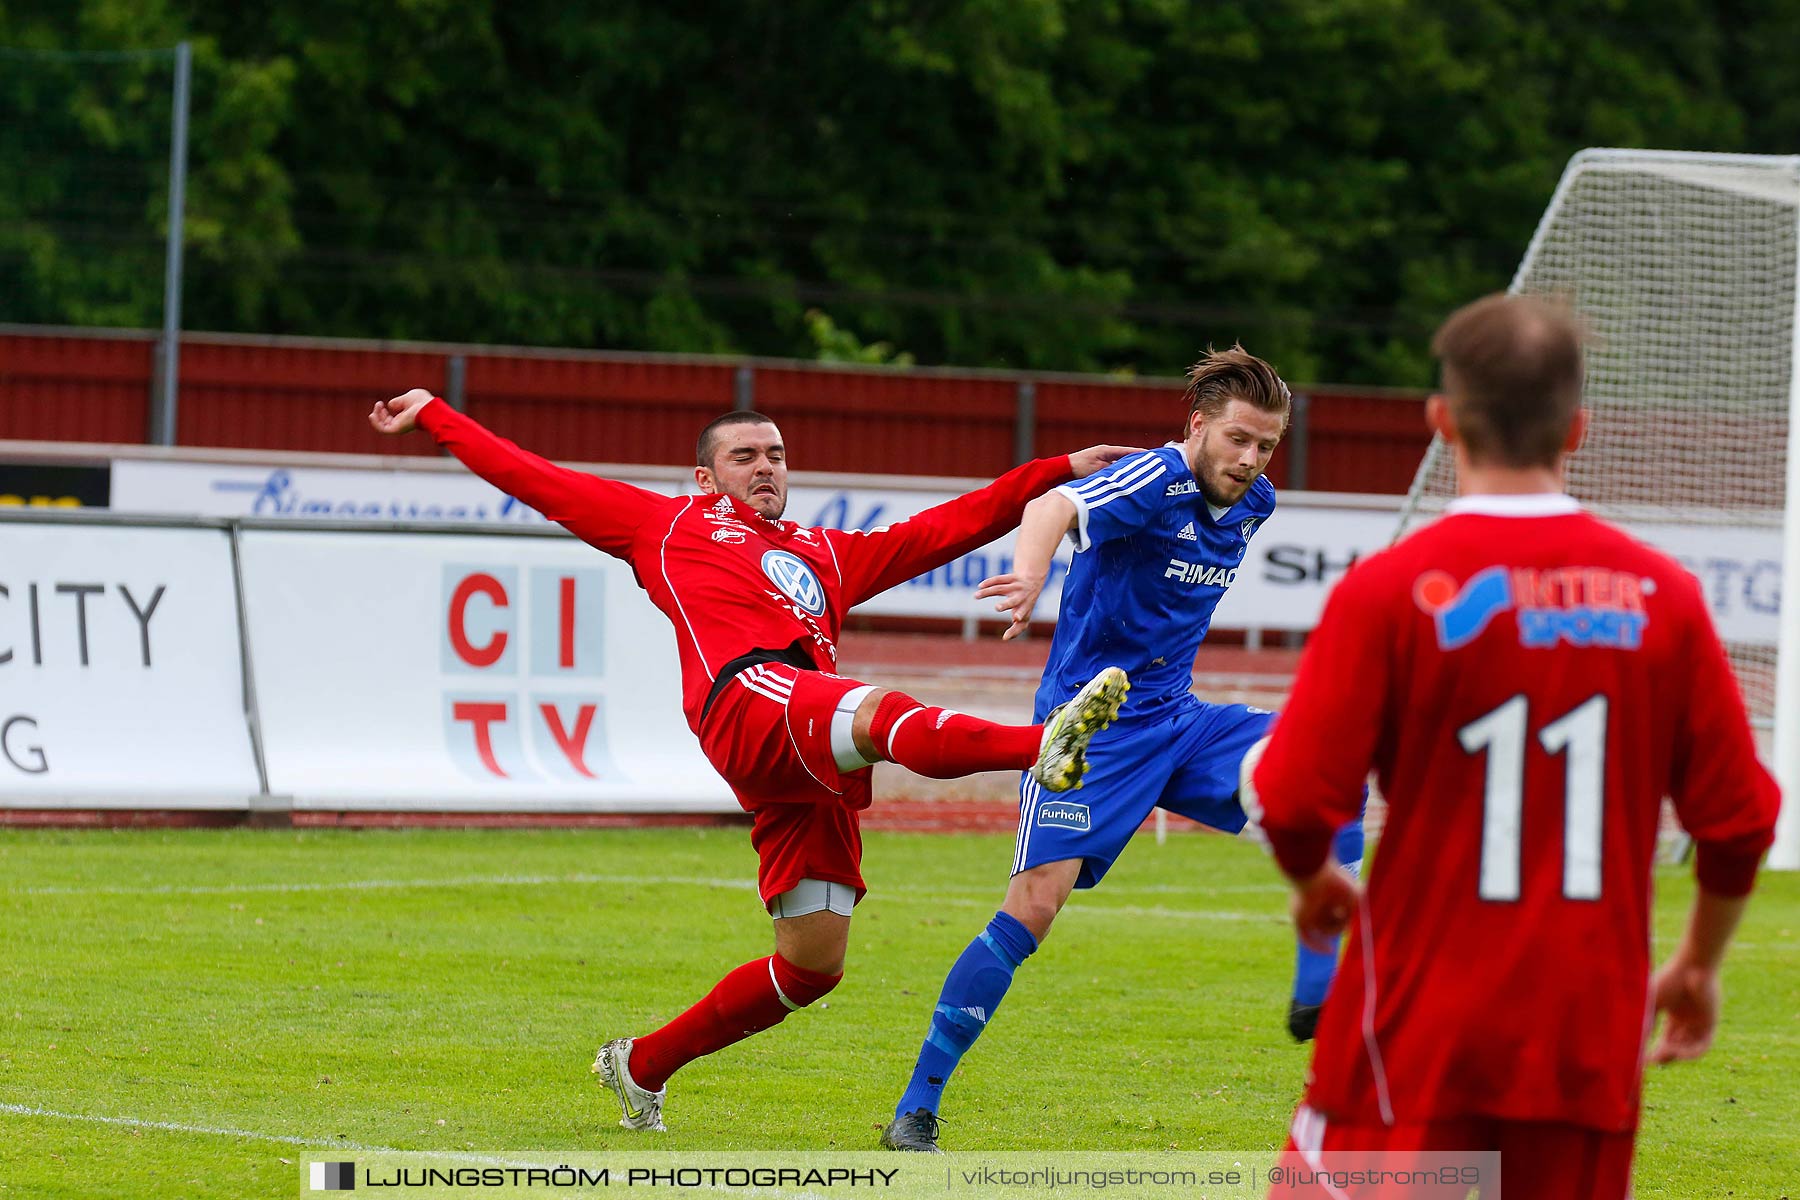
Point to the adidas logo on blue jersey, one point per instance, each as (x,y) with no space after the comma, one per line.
(1187,533)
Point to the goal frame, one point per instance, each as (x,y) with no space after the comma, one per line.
(1692,167)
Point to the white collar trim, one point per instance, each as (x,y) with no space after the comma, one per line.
(1534,504)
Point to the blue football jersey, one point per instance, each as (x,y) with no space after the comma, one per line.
(1152,559)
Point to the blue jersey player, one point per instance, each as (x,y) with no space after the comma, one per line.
(1158,538)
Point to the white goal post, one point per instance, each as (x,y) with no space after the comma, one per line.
(1683,265)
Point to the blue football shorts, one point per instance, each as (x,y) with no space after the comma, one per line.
(1182,757)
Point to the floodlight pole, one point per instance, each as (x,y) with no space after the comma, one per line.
(1785,854)
(166,393)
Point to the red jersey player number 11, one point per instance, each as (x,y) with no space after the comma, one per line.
(1527,683)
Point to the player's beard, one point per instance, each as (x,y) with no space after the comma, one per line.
(1213,479)
(1209,488)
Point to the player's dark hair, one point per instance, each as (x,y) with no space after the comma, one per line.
(1222,376)
(708,444)
(1512,377)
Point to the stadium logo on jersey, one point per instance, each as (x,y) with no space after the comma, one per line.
(796,580)
(1583,606)
(1187,533)
(1200,573)
(1060,814)
(1186,487)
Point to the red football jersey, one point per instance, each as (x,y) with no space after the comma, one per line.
(1528,683)
(728,578)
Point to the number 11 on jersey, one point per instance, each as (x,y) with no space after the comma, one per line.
(1580,735)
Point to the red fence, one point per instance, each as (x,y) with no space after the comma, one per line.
(310,394)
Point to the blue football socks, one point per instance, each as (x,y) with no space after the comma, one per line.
(1313,970)
(972,991)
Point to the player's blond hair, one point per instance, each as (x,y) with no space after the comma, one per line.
(1222,376)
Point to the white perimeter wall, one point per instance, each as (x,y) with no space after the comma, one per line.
(495,665)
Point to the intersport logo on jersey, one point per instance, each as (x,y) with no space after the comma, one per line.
(1580,606)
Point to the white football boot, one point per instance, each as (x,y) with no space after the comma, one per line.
(1062,755)
(642,1108)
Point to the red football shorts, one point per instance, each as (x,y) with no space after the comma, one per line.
(769,735)
(1539,1160)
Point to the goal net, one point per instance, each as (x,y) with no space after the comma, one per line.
(1683,268)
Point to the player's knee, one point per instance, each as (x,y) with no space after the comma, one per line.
(879,716)
(1035,896)
(1035,912)
(799,986)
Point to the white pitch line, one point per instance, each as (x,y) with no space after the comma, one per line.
(946,899)
(350,885)
(355,885)
(26,1110)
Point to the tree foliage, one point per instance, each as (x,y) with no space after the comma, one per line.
(1046,184)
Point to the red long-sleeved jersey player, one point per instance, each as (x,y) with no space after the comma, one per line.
(757,604)
(1527,683)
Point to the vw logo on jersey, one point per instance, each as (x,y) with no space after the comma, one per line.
(796,580)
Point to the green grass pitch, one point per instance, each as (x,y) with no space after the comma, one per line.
(446,990)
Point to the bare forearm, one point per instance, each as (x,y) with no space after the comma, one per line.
(1046,522)
(1711,923)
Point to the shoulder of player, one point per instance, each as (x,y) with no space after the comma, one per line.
(1620,548)
(1261,497)
(1656,565)
(665,514)
(1166,459)
(1157,472)
(1171,471)
(1386,572)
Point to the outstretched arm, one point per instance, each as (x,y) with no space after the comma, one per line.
(602,512)
(876,560)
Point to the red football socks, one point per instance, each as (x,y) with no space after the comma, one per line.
(748,1000)
(944,744)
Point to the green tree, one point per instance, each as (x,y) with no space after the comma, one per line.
(1045,184)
